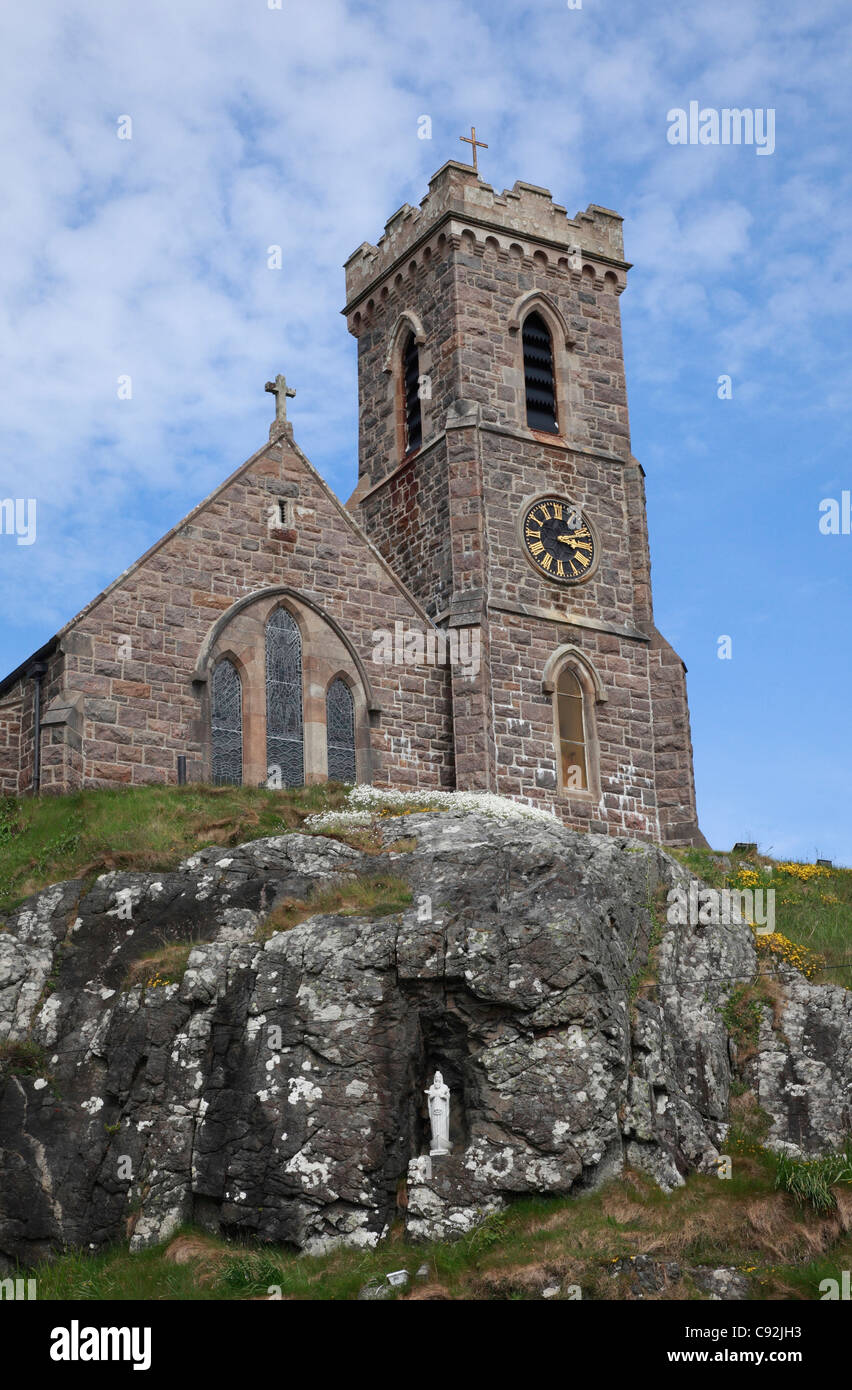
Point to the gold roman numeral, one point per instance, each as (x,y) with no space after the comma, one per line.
(560,573)
(536,548)
(546,560)
(557,511)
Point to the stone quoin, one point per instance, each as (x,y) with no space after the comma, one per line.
(496,494)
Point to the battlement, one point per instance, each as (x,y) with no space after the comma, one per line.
(458,195)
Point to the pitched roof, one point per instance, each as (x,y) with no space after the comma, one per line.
(284,437)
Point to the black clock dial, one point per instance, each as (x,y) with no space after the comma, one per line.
(559,540)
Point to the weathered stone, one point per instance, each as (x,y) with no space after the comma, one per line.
(643,1277)
(432,529)
(803,1079)
(277,1091)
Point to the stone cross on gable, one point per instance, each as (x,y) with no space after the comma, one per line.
(280,391)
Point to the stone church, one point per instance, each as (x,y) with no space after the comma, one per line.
(477,616)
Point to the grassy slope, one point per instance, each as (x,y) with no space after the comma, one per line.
(44,841)
(813,906)
(59,837)
(785,1250)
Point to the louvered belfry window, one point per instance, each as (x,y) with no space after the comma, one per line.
(227,724)
(538,375)
(411,389)
(340,732)
(284,725)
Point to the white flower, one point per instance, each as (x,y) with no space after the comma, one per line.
(363,801)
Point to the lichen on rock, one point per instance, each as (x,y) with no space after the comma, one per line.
(277,1089)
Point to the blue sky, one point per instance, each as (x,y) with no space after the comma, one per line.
(297,127)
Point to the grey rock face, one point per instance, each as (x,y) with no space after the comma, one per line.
(644,1277)
(803,1079)
(278,1091)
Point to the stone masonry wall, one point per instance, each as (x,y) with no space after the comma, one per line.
(427,287)
(407,518)
(142,709)
(673,765)
(468,265)
(525,727)
(519,470)
(11,715)
(16,758)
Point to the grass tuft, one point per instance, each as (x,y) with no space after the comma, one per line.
(372,896)
(810,1181)
(166,966)
(22,1058)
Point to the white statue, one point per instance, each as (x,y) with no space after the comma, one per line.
(439,1116)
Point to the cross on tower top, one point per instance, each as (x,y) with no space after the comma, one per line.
(474,143)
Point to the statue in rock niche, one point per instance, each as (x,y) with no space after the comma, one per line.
(439,1116)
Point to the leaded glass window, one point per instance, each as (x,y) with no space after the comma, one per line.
(227,724)
(340,731)
(284,726)
(572,740)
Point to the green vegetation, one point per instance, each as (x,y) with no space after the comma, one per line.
(813,909)
(11,819)
(812,1180)
(24,1058)
(165,966)
(783,1246)
(373,896)
(743,1010)
(643,982)
(45,840)
(749,1126)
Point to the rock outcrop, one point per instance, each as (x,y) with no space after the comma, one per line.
(277,1091)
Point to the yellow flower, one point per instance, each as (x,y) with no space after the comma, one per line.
(803,872)
(800,957)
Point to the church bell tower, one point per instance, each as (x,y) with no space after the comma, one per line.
(496,477)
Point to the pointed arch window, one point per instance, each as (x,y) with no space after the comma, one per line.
(538,375)
(285,744)
(227,724)
(411,393)
(571,733)
(340,732)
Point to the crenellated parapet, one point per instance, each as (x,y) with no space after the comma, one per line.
(521,222)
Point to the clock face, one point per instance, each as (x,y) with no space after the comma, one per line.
(559,540)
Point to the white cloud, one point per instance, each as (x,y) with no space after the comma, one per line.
(297,127)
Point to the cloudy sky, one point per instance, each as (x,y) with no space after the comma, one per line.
(297,126)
